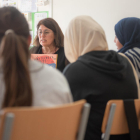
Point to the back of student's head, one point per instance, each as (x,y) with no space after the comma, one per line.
(83,35)
(14,54)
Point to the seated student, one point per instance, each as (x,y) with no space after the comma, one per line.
(96,74)
(50,40)
(127,40)
(24,82)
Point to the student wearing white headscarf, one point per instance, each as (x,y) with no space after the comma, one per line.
(96,74)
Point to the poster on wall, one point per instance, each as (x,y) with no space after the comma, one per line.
(36,17)
(9,3)
(28,6)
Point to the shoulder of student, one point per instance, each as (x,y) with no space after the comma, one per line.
(50,80)
(33,49)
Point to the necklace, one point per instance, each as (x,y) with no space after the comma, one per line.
(50,51)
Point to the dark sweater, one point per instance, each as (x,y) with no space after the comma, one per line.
(61,62)
(98,77)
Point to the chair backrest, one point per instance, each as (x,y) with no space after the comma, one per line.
(56,123)
(135,74)
(114,121)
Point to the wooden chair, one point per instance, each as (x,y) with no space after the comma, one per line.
(115,121)
(67,122)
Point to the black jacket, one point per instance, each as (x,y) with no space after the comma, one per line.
(98,77)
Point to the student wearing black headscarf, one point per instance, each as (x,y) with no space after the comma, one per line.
(127,40)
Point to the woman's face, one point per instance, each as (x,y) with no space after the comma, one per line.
(118,44)
(46,36)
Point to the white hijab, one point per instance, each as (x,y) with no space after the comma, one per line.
(83,35)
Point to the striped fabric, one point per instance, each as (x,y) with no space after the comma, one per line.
(134,56)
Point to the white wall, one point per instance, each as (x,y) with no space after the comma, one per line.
(106,12)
